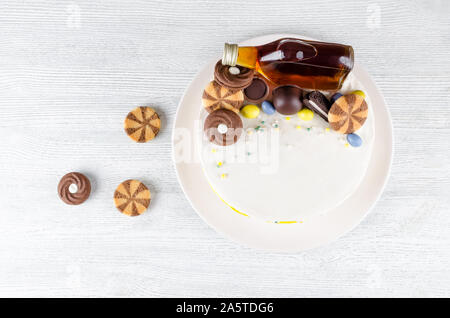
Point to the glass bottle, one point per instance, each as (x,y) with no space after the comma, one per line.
(289,61)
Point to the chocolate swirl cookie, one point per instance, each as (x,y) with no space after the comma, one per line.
(132,197)
(233,77)
(216,96)
(348,113)
(74,188)
(223,127)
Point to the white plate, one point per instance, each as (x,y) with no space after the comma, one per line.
(269,236)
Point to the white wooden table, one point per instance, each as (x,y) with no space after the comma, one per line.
(71,70)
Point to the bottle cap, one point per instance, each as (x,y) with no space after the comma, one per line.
(230,54)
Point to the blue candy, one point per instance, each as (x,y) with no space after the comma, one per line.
(267,107)
(335,97)
(354,140)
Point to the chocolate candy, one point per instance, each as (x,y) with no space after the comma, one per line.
(317,102)
(354,140)
(335,97)
(306,114)
(286,99)
(250,111)
(223,127)
(142,124)
(348,114)
(217,97)
(257,91)
(233,77)
(132,197)
(74,188)
(268,107)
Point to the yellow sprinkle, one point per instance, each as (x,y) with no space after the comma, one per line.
(213,150)
(288,118)
(347,144)
(220,163)
(249,132)
(298,127)
(223,176)
(327,129)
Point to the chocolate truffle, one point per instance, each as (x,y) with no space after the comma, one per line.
(286,99)
(232,77)
(223,127)
(257,91)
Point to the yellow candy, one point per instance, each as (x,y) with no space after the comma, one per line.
(360,93)
(287,118)
(250,111)
(305,114)
(327,129)
(298,127)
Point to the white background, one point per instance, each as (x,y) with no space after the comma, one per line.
(70,71)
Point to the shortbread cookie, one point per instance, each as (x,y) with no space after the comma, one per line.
(142,124)
(348,113)
(132,197)
(216,96)
(74,188)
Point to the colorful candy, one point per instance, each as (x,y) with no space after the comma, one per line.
(354,140)
(360,93)
(250,111)
(306,114)
(335,97)
(268,107)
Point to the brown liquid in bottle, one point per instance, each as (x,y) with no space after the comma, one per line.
(307,64)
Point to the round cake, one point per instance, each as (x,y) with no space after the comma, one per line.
(288,168)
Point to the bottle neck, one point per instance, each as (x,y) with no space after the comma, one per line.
(245,56)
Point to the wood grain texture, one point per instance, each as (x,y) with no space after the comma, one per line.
(70,71)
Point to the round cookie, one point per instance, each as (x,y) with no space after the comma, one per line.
(74,188)
(233,77)
(142,124)
(348,113)
(216,96)
(223,127)
(132,197)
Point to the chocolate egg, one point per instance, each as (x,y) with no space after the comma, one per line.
(286,99)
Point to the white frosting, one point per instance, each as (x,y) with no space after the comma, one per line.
(73,188)
(280,170)
(234,70)
(222,128)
